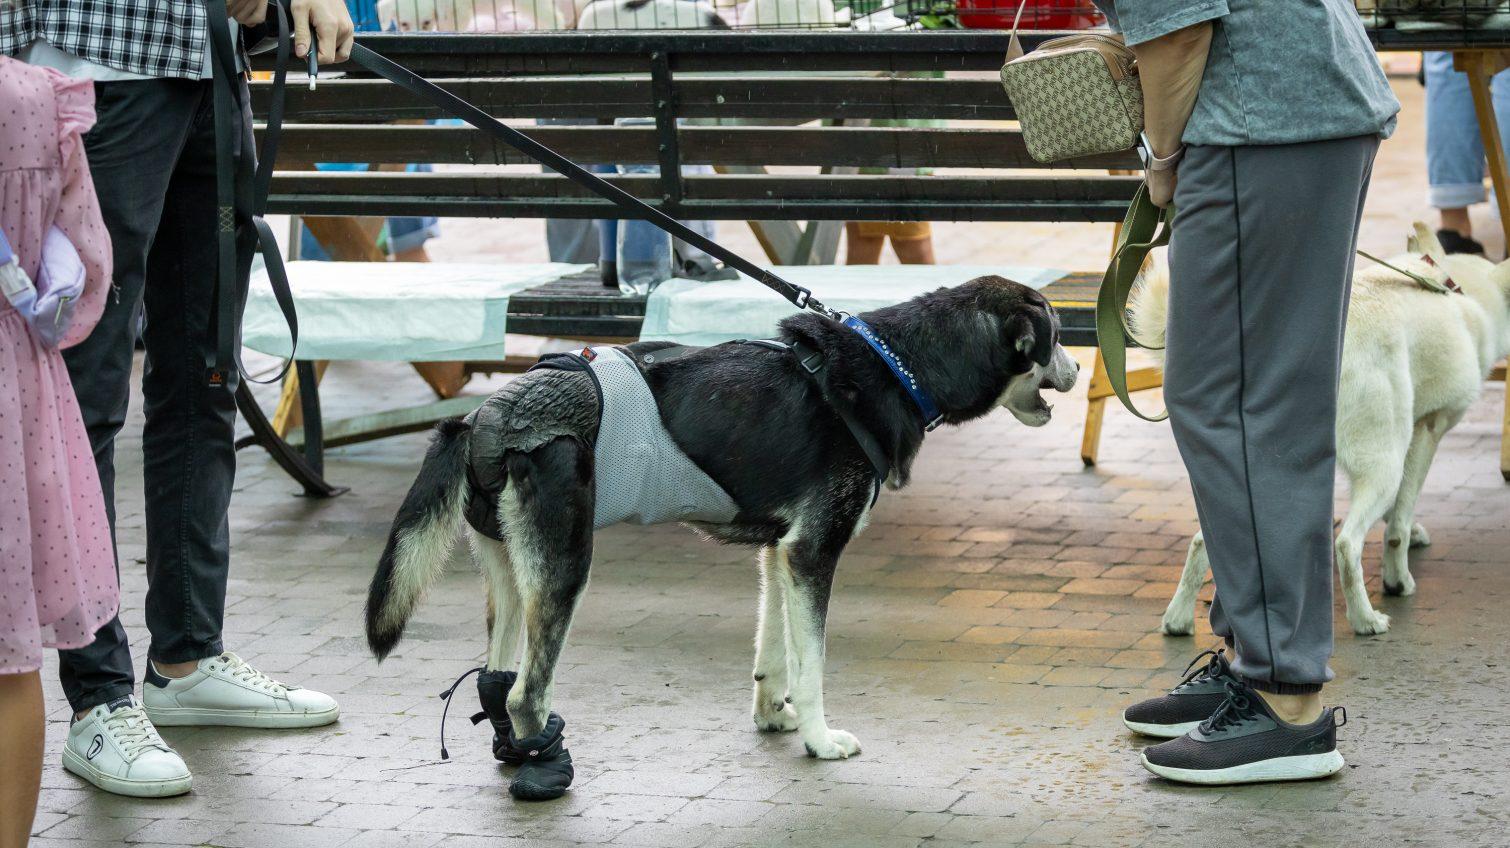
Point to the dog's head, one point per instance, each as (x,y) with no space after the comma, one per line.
(1029,333)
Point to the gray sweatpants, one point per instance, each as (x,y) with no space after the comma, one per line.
(1260,264)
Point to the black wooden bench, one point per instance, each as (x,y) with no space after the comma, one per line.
(755,105)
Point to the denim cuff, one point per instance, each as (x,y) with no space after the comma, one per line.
(188,653)
(1456,195)
(92,699)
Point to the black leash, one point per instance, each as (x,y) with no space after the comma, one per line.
(241,199)
(415,84)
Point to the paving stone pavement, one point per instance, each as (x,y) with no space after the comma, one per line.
(985,632)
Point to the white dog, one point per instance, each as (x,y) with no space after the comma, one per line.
(1413,361)
(650,14)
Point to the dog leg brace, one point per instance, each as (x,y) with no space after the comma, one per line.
(493,691)
(546,770)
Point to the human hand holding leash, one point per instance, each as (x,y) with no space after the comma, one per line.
(330,23)
(1170,68)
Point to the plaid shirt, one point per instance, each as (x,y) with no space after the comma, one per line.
(159,38)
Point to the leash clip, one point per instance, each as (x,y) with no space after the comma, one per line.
(934,424)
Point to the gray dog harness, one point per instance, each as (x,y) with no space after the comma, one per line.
(641,475)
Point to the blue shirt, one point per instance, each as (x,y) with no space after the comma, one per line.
(1279,71)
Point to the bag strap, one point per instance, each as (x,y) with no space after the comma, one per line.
(1014,44)
(1145,227)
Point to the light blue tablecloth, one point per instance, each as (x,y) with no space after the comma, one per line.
(695,313)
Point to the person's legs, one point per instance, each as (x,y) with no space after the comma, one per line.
(914,251)
(22,717)
(189,458)
(1454,150)
(1260,268)
(861,248)
(132,149)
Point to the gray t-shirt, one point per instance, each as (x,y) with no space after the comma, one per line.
(1279,71)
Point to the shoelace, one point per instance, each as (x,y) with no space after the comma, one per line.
(446,696)
(132,732)
(1235,710)
(238,669)
(1211,669)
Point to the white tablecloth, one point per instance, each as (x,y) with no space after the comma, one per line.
(399,311)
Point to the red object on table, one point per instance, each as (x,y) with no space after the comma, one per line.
(1039,14)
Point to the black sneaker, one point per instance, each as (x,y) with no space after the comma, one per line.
(1245,742)
(1186,705)
(1455,242)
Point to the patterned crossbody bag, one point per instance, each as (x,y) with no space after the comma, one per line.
(1074,96)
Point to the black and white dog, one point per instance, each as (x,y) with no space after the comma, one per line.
(770,432)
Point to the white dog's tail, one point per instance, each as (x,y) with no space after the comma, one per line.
(1148,307)
(420,542)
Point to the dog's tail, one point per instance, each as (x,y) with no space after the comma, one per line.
(420,542)
(1148,307)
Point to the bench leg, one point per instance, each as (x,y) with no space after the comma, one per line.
(290,460)
(290,411)
(1095,411)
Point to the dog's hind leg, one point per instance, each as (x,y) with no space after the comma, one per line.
(1400,527)
(1179,616)
(504,609)
(805,571)
(547,507)
(772,712)
(1373,491)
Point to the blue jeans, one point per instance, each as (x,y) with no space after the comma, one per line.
(1454,151)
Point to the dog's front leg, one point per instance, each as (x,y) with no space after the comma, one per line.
(1179,616)
(807,577)
(772,712)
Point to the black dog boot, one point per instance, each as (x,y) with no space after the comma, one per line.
(493,690)
(546,770)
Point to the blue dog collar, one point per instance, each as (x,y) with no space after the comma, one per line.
(931,416)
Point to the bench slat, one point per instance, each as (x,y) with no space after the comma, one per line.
(865,147)
(742,96)
(722,197)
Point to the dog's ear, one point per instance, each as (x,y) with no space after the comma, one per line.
(1031,332)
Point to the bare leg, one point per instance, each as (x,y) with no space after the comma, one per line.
(861,249)
(1457,219)
(1179,616)
(914,251)
(23,720)
(772,712)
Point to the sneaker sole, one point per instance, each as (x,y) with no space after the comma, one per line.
(1304,767)
(125,785)
(210,717)
(1160,731)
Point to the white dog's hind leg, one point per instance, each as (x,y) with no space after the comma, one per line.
(503,600)
(1400,531)
(1179,616)
(1373,492)
(771,710)
(806,609)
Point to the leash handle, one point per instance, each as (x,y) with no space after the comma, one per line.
(415,84)
(1134,241)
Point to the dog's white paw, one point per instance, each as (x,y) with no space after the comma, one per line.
(776,718)
(837,745)
(1370,623)
(1419,538)
(1175,624)
(1404,585)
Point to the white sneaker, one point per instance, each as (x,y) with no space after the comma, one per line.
(225,690)
(116,748)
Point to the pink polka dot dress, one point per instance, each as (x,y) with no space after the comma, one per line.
(57,569)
